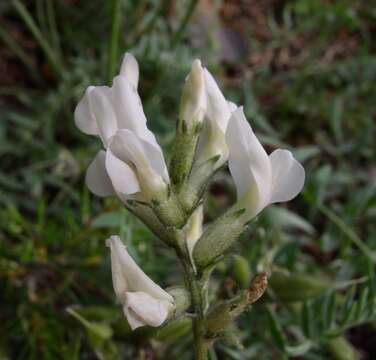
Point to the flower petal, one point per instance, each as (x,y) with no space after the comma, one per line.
(212,138)
(156,159)
(194,230)
(123,177)
(133,319)
(83,117)
(127,271)
(146,157)
(129,111)
(217,107)
(102,107)
(149,310)
(232,106)
(97,179)
(249,164)
(288,176)
(129,69)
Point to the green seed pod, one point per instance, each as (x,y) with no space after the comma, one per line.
(341,349)
(297,287)
(240,271)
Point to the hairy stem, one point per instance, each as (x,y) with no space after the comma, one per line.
(195,285)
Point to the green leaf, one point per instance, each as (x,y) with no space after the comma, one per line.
(98,332)
(300,349)
(297,287)
(107,220)
(307,320)
(361,303)
(276,331)
(331,313)
(285,218)
(174,330)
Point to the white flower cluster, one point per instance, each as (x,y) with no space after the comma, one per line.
(132,167)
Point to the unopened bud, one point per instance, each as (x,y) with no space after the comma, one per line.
(193,100)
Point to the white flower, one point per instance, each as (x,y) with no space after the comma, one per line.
(133,162)
(194,230)
(193,100)
(218,113)
(260,179)
(144,302)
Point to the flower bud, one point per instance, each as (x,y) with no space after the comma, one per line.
(193,100)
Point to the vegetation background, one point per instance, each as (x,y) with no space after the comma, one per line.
(306,73)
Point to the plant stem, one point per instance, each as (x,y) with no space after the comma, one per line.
(115,34)
(195,287)
(201,350)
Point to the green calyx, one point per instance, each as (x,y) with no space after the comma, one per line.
(191,192)
(169,234)
(218,237)
(184,152)
(182,300)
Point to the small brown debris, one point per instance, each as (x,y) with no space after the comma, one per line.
(257,289)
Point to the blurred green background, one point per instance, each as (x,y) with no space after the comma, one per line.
(306,73)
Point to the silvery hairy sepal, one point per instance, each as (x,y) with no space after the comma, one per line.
(132,165)
(143,301)
(191,115)
(260,180)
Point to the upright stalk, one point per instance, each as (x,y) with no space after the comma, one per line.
(114,41)
(195,286)
(198,323)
